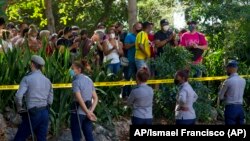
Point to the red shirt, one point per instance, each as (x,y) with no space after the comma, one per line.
(151,39)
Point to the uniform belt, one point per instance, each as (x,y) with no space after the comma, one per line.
(234,104)
(183,109)
(36,109)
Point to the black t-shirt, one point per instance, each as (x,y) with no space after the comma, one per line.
(65,42)
(160,35)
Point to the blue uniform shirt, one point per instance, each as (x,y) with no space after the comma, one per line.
(141,99)
(130,39)
(232,90)
(85,86)
(37,90)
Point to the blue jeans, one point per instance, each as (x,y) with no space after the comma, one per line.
(130,71)
(140,63)
(86,127)
(39,121)
(114,68)
(234,114)
(185,121)
(141,121)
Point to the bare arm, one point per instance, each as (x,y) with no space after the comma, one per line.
(73,46)
(162,43)
(95,101)
(128,46)
(50,97)
(99,46)
(204,47)
(81,102)
(106,51)
(223,90)
(159,43)
(141,47)
(120,50)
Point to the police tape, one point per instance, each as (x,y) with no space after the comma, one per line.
(123,83)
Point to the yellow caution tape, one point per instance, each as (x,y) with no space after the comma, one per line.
(123,83)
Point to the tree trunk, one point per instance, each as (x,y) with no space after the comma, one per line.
(49,16)
(132,13)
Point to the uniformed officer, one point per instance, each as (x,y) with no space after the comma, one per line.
(184,111)
(38,93)
(232,92)
(141,99)
(85,101)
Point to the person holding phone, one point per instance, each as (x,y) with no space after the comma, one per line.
(85,101)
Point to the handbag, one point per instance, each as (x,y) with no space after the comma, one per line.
(124,61)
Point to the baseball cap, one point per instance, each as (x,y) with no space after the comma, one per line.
(164,22)
(191,22)
(232,64)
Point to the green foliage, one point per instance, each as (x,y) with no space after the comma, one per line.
(170,61)
(203,105)
(215,63)
(27,11)
(226,25)
(164,102)
(85,14)
(2,5)
(167,64)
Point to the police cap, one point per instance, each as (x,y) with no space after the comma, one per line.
(38,60)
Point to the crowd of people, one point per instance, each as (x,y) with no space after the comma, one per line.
(119,49)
